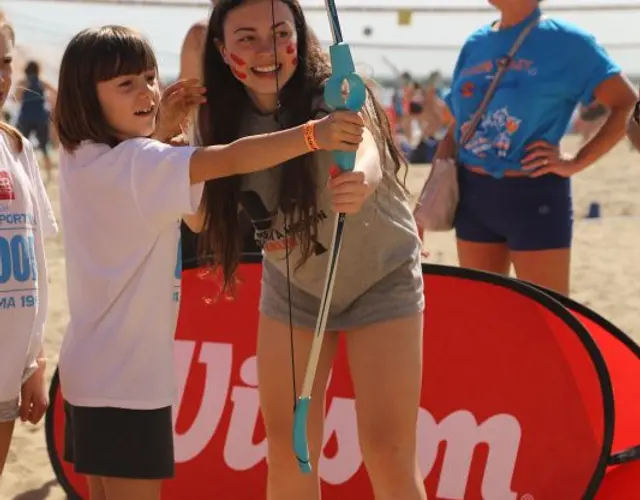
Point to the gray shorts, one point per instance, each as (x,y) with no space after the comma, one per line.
(397,295)
(9,409)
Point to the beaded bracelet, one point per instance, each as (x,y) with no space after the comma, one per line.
(309,136)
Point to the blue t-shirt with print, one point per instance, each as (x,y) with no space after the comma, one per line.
(558,66)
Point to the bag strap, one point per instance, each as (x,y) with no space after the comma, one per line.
(503,65)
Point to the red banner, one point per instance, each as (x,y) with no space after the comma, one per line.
(517,400)
(621,355)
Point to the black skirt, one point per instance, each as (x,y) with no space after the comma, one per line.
(117,442)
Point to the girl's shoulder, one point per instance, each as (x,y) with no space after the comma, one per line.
(20,150)
(98,154)
(12,140)
(128,145)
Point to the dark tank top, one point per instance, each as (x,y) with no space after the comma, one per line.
(34,109)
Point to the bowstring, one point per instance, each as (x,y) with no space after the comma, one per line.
(286,225)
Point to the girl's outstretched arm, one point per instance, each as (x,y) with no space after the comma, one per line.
(341,130)
(195,221)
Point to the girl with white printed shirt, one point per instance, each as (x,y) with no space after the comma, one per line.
(26,218)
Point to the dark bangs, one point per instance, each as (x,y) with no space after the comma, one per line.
(120,51)
(95,55)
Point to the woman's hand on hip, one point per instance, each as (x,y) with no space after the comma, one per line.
(545,158)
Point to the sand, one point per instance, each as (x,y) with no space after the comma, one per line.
(605,271)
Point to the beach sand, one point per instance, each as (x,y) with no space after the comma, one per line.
(605,272)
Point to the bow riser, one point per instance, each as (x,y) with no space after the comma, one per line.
(343,71)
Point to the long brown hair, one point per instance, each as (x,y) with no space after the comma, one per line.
(219,123)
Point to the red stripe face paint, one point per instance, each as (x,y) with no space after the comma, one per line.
(240,63)
(239,74)
(237,59)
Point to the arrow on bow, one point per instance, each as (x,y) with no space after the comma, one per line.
(342,70)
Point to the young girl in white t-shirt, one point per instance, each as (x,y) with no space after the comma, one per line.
(26,219)
(123,194)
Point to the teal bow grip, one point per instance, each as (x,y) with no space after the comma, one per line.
(343,70)
(300,445)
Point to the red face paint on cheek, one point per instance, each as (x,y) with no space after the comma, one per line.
(237,59)
(239,74)
(292,50)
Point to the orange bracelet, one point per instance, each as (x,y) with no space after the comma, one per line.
(309,136)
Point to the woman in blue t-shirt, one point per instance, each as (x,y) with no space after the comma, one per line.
(515,192)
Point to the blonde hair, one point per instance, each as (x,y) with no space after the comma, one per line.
(15,137)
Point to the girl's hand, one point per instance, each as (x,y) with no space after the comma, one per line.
(349,190)
(339,131)
(34,396)
(544,158)
(178,101)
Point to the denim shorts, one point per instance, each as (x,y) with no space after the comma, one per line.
(525,213)
(397,295)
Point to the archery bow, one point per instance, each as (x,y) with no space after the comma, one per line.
(342,70)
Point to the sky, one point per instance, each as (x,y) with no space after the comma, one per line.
(46,26)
